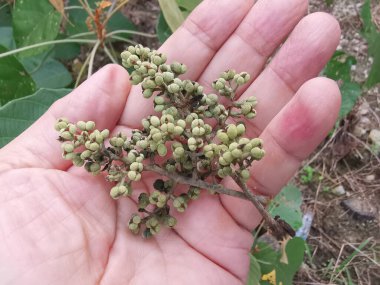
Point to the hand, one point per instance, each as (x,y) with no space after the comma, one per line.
(58,224)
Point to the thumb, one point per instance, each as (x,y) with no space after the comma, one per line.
(101,98)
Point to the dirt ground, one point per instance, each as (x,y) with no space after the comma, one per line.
(344,191)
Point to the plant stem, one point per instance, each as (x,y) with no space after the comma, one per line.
(11,52)
(92,57)
(109,54)
(202,184)
(113,11)
(277,229)
(131,33)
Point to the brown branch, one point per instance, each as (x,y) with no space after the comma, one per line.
(202,184)
(279,228)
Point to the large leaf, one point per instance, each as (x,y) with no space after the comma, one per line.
(19,114)
(15,82)
(339,66)
(266,256)
(372,35)
(254,274)
(351,91)
(172,13)
(163,30)
(6,37)
(295,250)
(188,5)
(47,72)
(78,17)
(34,21)
(5,15)
(287,205)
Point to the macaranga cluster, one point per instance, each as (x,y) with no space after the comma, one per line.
(193,136)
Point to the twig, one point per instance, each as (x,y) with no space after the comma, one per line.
(202,184)
(92,57)
(278,228)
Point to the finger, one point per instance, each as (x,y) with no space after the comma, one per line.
(257,37)
(101,99)
(193,44)
(288,139)
(301,58)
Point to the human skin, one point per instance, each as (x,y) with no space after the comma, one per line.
(58,224)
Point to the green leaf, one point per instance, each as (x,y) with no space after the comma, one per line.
(163,30)
(19,114)
(66,51)
(34,21)
(172,13)
(372,35)
(295,250)
(5,15)
(188,5)
(15,82)
(48,74)
(6,37)
(254,274)
(266,256)
(351,91)
(78,19)
(339,66)
(287,205)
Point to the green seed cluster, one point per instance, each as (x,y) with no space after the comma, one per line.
(188,136)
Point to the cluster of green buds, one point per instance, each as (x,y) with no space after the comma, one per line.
(188,137)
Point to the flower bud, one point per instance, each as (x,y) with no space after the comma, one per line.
(162,150)
(147,93)
(90,125)
(155,121)
(66,135)
(223,137)
(257,153)
(173,88)
(232,131)
(240,129)
(68,147)
(168,76)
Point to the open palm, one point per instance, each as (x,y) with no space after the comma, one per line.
(58,224)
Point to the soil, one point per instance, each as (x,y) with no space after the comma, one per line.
(346,158)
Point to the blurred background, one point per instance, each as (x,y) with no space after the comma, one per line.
(48,47)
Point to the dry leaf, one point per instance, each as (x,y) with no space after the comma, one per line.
(58,5)
(104,4)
